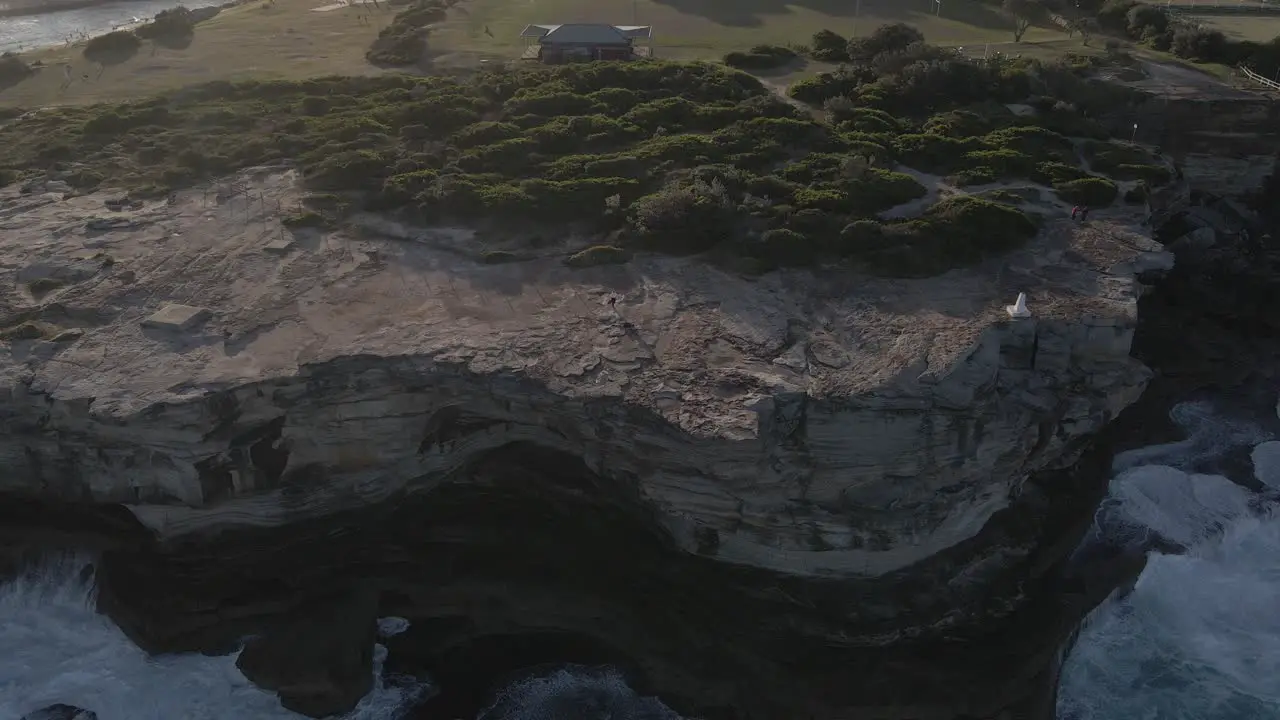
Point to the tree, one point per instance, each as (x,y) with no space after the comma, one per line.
(111,49)
(174,29)
(1023,13)
(894,37)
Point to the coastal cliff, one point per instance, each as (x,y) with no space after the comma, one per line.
(795,477)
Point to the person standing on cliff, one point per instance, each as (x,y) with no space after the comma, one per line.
(1084,213)
(1075,210)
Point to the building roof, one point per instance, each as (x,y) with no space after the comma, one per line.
(588,34)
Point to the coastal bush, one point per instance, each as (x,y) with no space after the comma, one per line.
(173,28)
(404,41)
(786,247)
(1054,172)
(679,158)
(498,257)
(112,49)
(598,255)
(886,39)
(684,218)
(1094,192)
(761,57)
(954,232)
(827,46)
(861,238)
(935,153)
(305,219)
(13,70)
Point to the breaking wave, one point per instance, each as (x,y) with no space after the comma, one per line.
(1198,637)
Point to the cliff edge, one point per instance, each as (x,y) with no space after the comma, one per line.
(795,422)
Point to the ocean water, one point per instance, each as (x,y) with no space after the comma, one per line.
(28,32)
(1198,638)
(54,648)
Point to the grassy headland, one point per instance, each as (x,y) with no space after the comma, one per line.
(666,156)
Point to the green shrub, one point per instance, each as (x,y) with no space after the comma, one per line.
(498,257)
(975,176)
(1052,173)
(819,88)
(786,247)
(304,219)
(483,133)
(173,28)
(827,46)
(955,232)
(871,120)
(861,238)
(1091,192)
(13,70)
(879,190)
(363,169)
(1037,142)
(935,153)
(760,57)
(684,219)
(598,255)
(112,48)
(958,124)
(1125,162)
(404,41)
(1004,163)
(828,199)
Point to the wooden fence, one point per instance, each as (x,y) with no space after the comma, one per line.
(1268,82)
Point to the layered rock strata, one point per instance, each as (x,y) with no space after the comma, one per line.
(504,447)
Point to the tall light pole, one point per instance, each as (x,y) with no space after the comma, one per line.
(857,10)
(1134,136)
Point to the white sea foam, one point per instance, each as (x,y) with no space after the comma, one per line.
(55,649)
(575,693)
(1199,636)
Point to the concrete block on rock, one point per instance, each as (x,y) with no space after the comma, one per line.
(176,317)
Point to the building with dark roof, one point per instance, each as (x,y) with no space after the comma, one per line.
(584,42)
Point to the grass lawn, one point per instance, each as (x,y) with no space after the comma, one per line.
(289,40)
(689,29)
(286,40)
(1258,28)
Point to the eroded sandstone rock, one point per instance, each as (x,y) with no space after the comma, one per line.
(327,380)
(320,661)
(755,488)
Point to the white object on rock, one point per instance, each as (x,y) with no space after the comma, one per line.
(176,317)
(1019,308)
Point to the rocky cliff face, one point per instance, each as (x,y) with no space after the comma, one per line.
(786,475)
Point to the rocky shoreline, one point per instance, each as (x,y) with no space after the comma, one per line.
(757,505)
(45,7)
(745,499)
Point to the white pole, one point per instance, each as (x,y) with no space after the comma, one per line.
(1134,136)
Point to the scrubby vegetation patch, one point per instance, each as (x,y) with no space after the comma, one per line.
(678,158)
